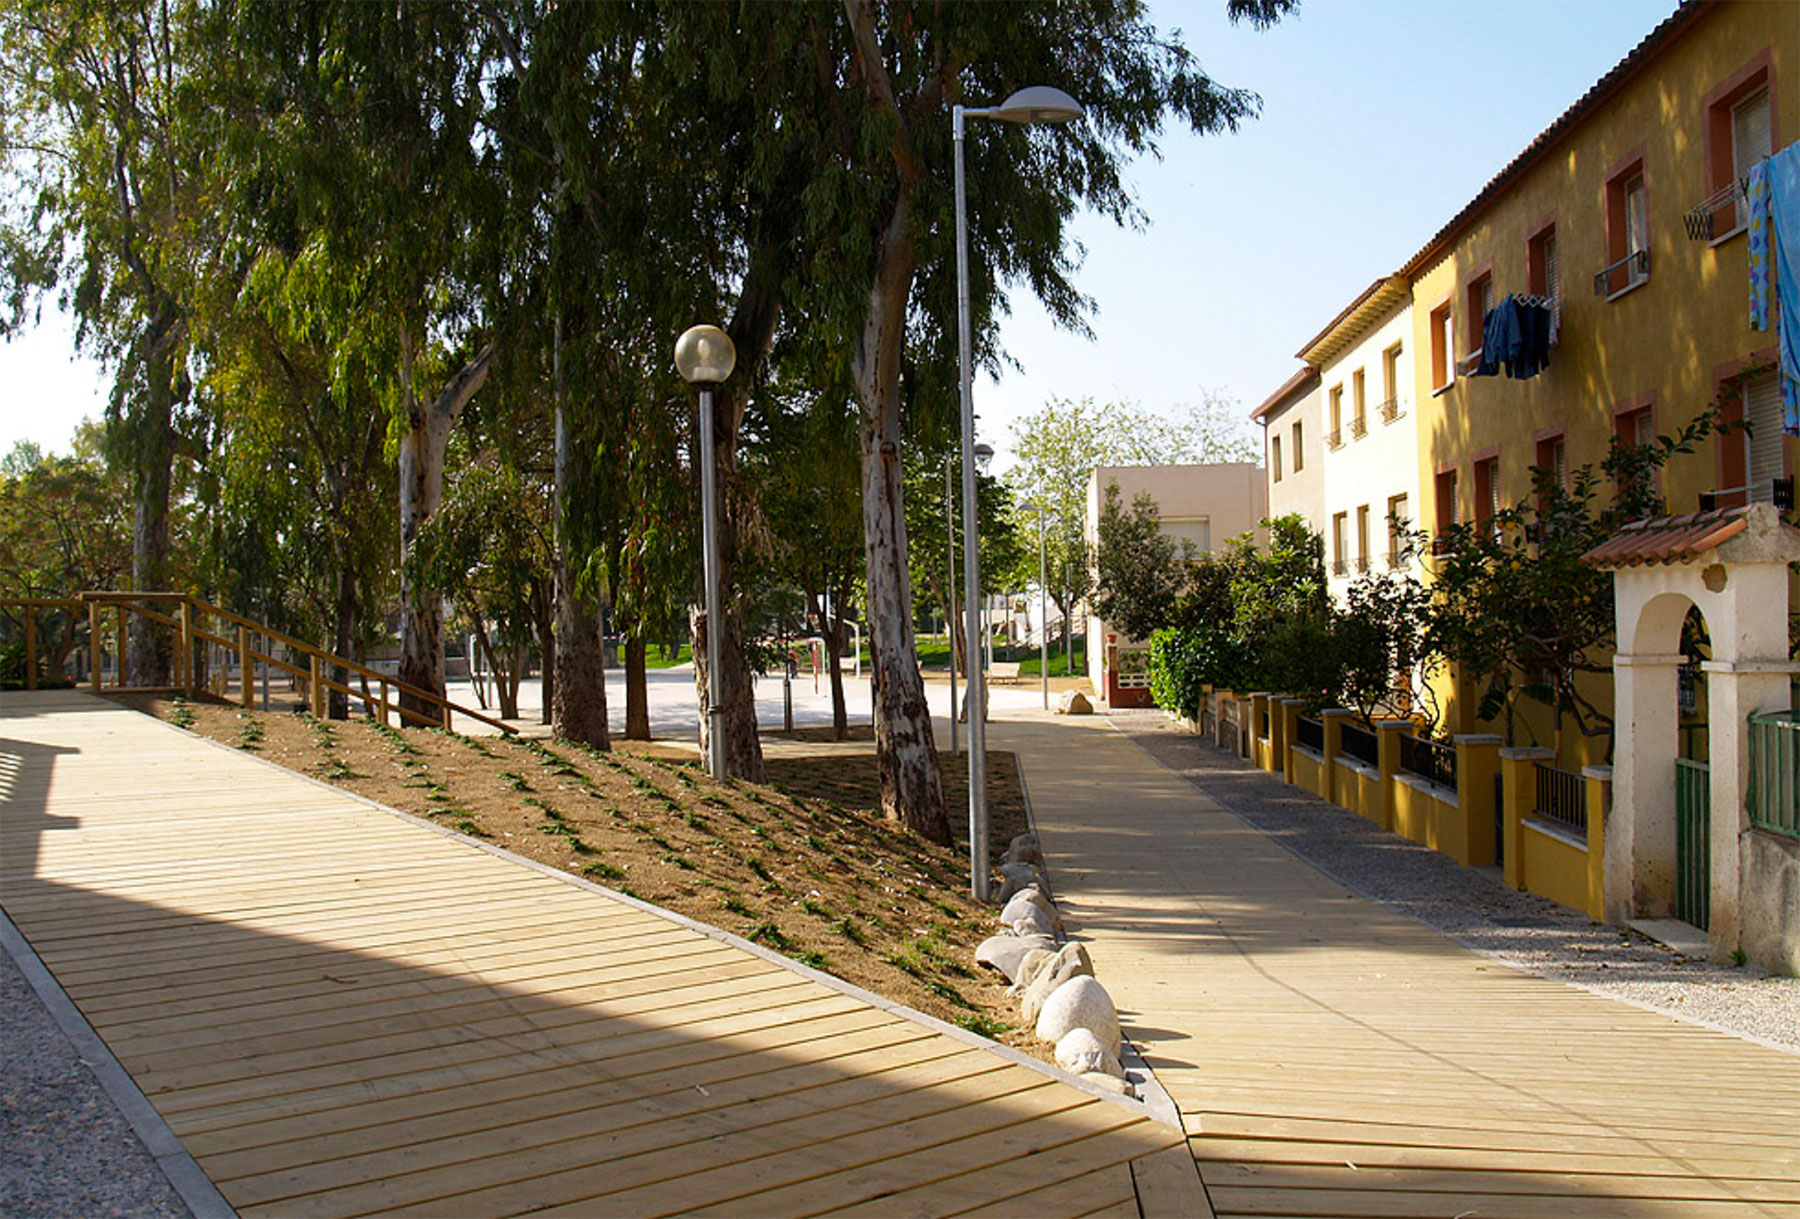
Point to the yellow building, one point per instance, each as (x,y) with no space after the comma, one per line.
(1624,211)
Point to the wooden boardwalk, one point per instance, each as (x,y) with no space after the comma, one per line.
(1332,1058)
(340,1011)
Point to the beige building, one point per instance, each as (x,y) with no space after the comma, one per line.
(1292,444)
(1205,505)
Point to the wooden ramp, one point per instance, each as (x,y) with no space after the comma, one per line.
(341,1011)
(1332,1058)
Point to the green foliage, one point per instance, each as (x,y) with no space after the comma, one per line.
(1140,569)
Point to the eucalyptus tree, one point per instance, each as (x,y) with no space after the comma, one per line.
(359,126)
(104,132)
(891,269)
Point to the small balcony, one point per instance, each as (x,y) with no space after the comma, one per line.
(1389,410)
(1362,563)
(1628,272)
(1334,439)
(1359,427)
(1395,560)
(1340,567)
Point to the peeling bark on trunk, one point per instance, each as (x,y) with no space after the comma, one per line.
(421,491)
(637,690)
(743,748)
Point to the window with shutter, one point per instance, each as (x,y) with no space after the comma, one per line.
(1750,140)
(1762,411)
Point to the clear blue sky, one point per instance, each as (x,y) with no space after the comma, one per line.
(1380,119)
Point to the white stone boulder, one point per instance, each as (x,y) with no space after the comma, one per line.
(1074,702)
(1028,919)
(1081,1052)
(1080,1003)
(1016,876)
(1020,904)
(1024,849)
(1071,962)
(1006,953)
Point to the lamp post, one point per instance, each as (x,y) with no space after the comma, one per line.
(950,609)
(1036,104)
(704,356)
(1043,609)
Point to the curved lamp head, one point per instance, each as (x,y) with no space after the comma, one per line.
(704,355)
(1038,104)
(983,453)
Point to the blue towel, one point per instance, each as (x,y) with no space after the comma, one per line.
(1784,211)
(1756,202)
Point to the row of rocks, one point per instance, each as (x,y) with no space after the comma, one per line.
(1053,981)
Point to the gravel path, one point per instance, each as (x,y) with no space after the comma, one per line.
(68,1150)
(1470,905)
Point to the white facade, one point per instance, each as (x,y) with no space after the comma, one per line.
(1370,455)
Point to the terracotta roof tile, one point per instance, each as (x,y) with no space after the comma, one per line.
(1667,539)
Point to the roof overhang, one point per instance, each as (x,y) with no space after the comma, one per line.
(1376,302)
(1751,534)
(1292,388)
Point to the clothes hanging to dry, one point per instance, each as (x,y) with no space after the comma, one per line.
(1773,198)
(1516,333)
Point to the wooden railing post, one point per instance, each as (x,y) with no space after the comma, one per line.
(184,648)
(384,702)
(94,642)
(30,648)
(316,685)
(247,695)
(119,651)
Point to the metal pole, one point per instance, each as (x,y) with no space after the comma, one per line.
(709,528)
(1043,610)
(978,812)
(950,610)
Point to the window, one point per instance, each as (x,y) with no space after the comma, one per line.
(1362,538)
(1440,346)
(1627,231)
(1479,299)
(1359,409)
(1552,455)
(1397,523)
(1340,526)
(1636,426)
(1739,131)
(1487,491)
(1445,488)
(1335,438)
(1762,444)
(1542,276)
(1299,451)
(1275,458)
(1390,384)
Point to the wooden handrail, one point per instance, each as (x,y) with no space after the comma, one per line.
(187,607)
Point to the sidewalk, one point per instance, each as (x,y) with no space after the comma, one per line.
(1333,1057)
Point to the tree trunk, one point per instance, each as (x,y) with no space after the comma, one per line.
(421,491)
(840,715)
(343,628)
(576,700)
(149,651)
(743,748)
(637,690)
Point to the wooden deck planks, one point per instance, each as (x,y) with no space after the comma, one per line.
(341,1012)
(1332,1058)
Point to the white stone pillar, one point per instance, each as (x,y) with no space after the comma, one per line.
(1639,866)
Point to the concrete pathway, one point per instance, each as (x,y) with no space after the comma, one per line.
(340,1010)
(1331,1057)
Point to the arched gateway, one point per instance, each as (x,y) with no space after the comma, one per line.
(1731,564)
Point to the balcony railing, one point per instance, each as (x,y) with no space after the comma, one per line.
(1617,276)
(1340,567)
(1776,491)
(1359,427)
(1701,220)
(1362,562)
(1395,559)
(1562,797)
(1433,761)
(1389,410)
(1311,733)
(1358,742)
(1334,439)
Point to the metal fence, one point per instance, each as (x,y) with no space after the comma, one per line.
(1311,733)
(1358,742)
(1775,772)
(1433,761)
(1562,797)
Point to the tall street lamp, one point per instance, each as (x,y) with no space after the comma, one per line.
(704,356)
(1036,104)
(983,454)
(1043,609)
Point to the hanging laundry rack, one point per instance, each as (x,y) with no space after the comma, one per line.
(1698,220)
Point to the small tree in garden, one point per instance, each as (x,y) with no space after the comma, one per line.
(1139,572)
(1380,638)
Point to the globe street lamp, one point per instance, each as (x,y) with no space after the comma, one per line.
(1043,609)
(983,454)
(704,356)
(1037,104)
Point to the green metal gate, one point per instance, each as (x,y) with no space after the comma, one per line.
(1693,842)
